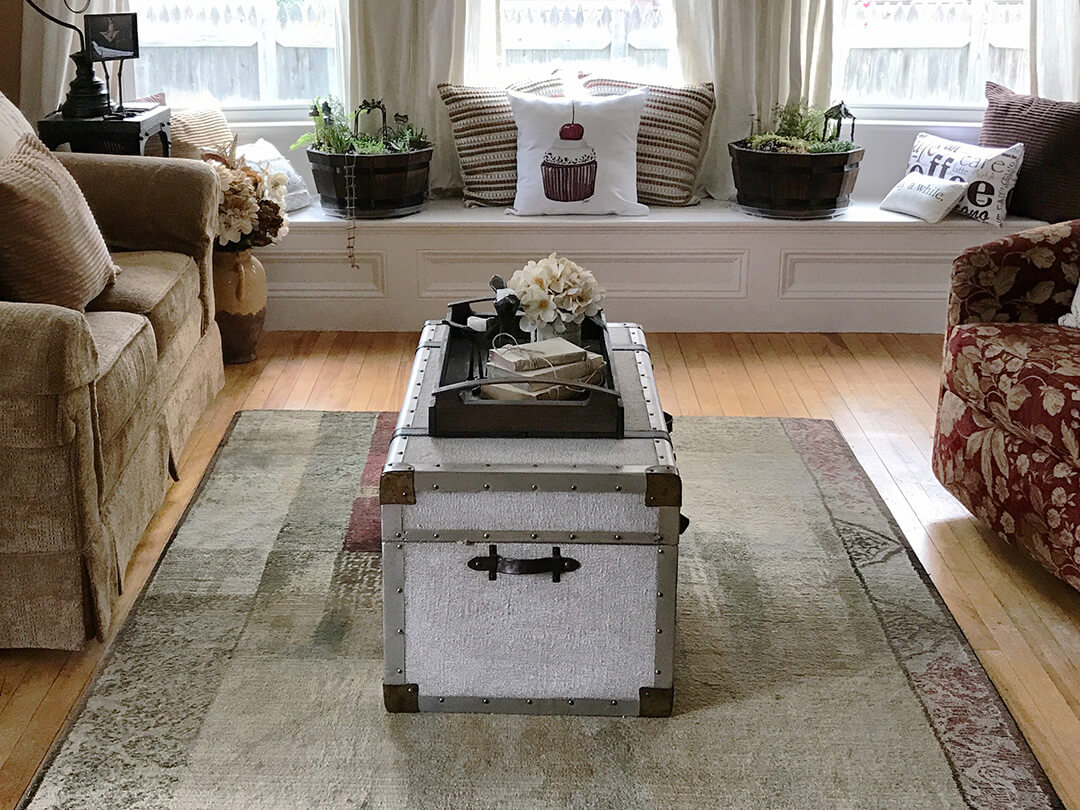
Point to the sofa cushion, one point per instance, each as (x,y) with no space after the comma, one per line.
(1024,377)
(127,357)
(162,286)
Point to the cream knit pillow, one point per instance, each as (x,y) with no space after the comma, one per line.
(51,251)
(193,132)
(12,126)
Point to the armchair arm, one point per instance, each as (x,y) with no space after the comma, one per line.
(48,350)
(1029,277)
(153,204)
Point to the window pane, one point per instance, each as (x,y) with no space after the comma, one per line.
(258,51)
(633,38)
(929,53)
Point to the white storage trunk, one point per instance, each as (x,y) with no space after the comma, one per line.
(531,575)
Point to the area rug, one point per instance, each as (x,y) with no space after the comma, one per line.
(816,665)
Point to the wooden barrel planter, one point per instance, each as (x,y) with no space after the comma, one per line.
(794,186)
(371,186)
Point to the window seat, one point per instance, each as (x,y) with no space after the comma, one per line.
(703,268)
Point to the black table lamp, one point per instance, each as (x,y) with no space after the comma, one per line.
(87,97)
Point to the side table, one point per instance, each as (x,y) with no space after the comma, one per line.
(108,135)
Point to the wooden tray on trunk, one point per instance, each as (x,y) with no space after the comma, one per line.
(458,411)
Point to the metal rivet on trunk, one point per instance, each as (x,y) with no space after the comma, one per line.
(434,486)
(618,489)
(571,702)
(528,701)
(401,632)
(486,701)
(658,630)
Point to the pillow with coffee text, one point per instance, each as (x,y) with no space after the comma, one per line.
(928,198)
(990,174)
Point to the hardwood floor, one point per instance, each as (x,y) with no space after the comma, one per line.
(881,390)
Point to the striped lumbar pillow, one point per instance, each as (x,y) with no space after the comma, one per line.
(671,140)
(1048,185)
(193,132)
(51,251)
(486,137)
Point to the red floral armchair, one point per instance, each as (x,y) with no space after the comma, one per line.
(1008,427)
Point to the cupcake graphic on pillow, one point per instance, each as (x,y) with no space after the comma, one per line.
(569,166)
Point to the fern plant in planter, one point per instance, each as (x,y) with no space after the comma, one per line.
(799,167)
(363,175)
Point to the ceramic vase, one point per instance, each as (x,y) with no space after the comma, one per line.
(240,302)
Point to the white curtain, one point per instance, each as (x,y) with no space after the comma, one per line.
(47,68)
(1055,49)
(757,53)
(399,50)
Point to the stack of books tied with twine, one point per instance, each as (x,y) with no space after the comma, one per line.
(539,368)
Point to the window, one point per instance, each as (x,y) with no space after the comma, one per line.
(631,37)
(929,52)
(240,53)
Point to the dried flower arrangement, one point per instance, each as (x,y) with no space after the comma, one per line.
(555,292)
(251,205)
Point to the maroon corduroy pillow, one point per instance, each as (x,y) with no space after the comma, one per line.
(1048,186)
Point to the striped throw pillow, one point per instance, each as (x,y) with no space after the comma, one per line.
(51,251)
(1048,185)
(193,132)
(486,137)
(672,137)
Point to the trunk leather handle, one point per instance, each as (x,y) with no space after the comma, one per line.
(494,564)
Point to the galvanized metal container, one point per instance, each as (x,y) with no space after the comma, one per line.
(533,575)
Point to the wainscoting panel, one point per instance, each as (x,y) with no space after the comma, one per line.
(625,274)
(851,275)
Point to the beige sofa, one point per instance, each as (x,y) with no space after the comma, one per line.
(95,408)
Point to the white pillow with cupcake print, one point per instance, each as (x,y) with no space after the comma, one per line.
(577,156)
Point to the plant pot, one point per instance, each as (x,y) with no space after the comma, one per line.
(794,186)
(240,302)
(371,186)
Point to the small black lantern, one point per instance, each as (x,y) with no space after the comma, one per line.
(836,115)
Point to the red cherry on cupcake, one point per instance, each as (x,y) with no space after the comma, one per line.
(572,131)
